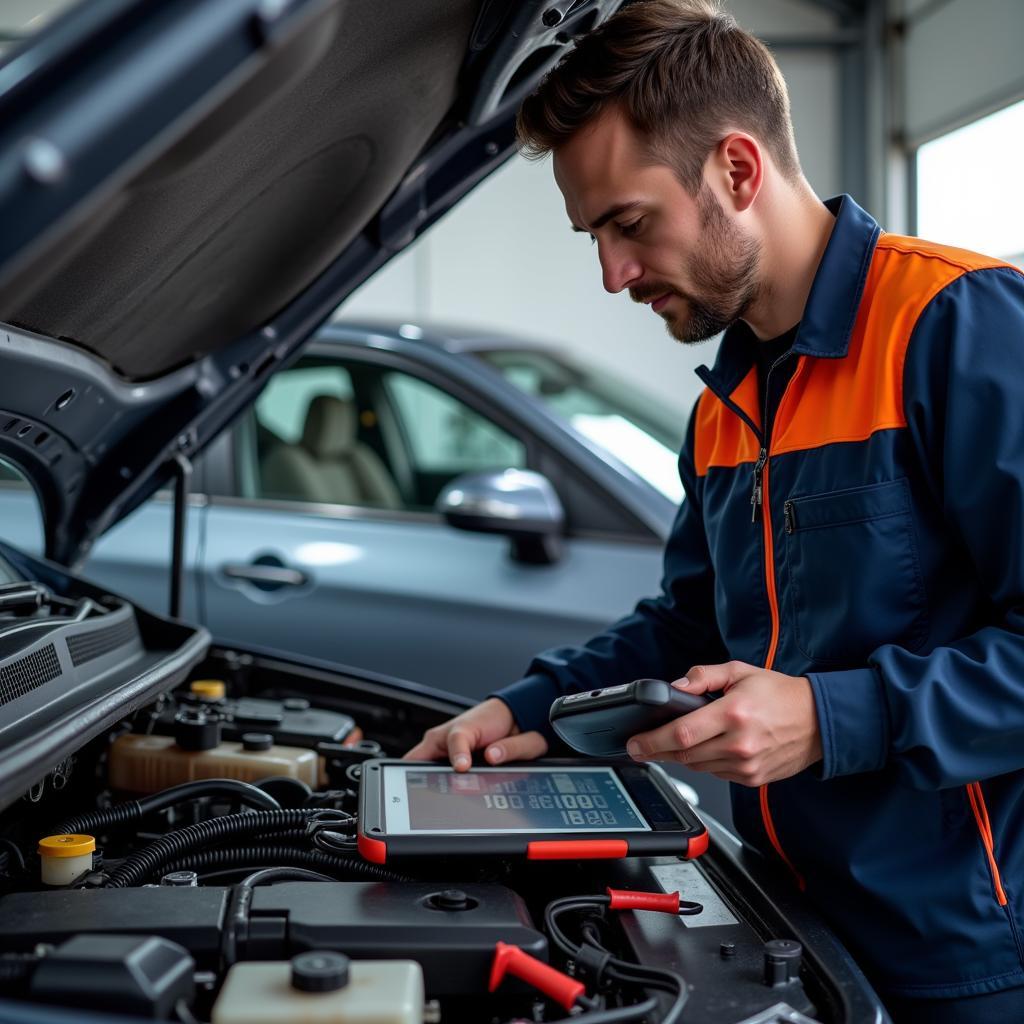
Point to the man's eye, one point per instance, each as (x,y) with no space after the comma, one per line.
(632,229)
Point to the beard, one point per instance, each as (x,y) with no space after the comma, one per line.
(724,274)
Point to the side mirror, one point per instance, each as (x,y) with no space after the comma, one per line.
(518,503)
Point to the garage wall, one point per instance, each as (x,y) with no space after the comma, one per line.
(505,257)
(961,60)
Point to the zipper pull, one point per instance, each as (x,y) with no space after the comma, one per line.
(787,514)
(755,494)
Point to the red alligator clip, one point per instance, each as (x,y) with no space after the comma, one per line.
(554,984)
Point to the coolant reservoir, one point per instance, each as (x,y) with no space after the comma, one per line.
(148,764)
(322,988)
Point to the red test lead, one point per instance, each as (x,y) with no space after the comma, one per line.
(663,902)
(512,960)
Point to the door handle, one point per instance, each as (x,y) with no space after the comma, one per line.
(267,577)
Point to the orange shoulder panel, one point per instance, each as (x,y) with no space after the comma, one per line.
(721,438)
(848,399)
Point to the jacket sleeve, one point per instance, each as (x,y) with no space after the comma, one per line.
(662,638)
(954,714)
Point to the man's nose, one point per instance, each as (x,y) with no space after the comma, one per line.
(618,268)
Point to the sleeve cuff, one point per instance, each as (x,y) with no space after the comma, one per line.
(853,721)
(530,700)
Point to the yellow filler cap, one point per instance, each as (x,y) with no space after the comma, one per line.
(66,846)
(209,689)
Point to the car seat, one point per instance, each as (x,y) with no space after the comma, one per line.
(329,464)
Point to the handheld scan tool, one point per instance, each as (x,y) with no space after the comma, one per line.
(600,722)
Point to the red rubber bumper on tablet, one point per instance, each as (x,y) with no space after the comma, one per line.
(577,849)
(698,845)
(372,849)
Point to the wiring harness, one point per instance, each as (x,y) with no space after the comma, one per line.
(593,962)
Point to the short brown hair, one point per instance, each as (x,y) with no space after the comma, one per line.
(683,72)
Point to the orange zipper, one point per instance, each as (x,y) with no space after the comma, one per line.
(977,799)
(769,566)
(773,605)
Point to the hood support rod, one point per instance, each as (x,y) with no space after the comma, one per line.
(182,469)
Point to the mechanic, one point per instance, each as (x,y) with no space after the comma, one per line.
(847,570)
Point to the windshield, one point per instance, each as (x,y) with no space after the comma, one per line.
(627,422)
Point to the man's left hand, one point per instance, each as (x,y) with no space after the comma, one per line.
(764,727)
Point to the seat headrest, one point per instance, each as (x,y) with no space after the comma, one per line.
(330,428)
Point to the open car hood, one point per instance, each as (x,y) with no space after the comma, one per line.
(189,189)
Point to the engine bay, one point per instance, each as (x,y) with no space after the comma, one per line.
(198,862)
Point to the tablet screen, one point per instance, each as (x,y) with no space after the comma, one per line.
(438,801)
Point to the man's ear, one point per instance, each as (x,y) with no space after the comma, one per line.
(735,171)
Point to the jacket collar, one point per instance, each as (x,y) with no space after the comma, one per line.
(832,304)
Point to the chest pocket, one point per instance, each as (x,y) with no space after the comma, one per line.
(854,574)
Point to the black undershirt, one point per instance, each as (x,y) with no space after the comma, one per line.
(766,353)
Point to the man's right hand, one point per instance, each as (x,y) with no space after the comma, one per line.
(489,725)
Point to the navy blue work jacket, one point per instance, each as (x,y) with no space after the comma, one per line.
(883,559)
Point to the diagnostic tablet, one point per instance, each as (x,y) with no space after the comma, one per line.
(548,810)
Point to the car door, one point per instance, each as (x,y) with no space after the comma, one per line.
(307,550)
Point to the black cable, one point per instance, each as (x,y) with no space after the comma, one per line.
(209,877)
(237,923)
(265,875)
(620,971)
(333,831)
(139,866)
(128,813)
(244,792)
(269,855)
(556,907)
(287,790)
(133,811)
(241,900)
(638,1011)
(11,845)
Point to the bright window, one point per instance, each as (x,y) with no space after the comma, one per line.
(631,424)
(445,436)
(966,186)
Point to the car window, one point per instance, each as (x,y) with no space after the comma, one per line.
(284,403)
(327,432)
(443,435)
(21,518)
(631,424)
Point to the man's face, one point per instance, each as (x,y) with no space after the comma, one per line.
(680,254)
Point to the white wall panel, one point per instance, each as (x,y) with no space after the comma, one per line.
(962,60)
